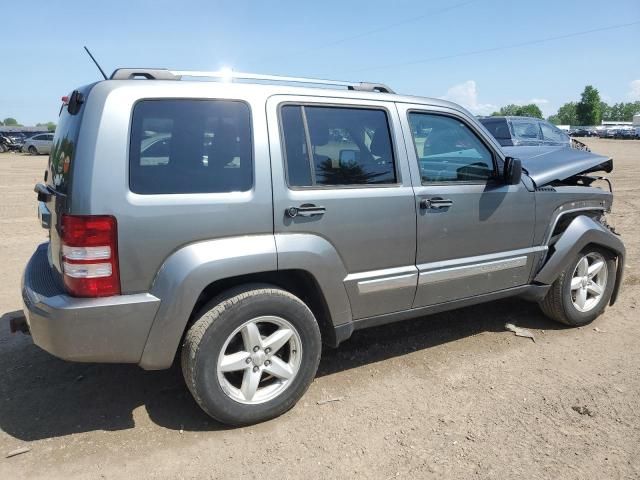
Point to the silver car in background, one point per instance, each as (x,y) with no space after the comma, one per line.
(38,144)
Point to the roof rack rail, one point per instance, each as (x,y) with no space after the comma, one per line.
(229,75)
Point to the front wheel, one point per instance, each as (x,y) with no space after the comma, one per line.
(33,150)
(251,355)
(583,289)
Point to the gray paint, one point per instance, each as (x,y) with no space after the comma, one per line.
(374,253)
(112,329)
(186,273)
(581,232)
(548,164)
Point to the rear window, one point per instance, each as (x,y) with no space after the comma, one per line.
(190,146)
(63,149)
(498,128)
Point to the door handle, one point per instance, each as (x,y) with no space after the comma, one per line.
(306,210)
(435,202)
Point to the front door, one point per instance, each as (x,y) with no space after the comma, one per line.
(474,232)
(341,177)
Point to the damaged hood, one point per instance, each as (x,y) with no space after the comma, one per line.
(547,164)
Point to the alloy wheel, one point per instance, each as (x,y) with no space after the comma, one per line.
(259,360)
(588,282)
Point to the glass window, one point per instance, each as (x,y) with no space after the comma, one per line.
(448,150)
(526,129)
(345,146)
(498,128)
(295,144)
(553,134)
(190,146)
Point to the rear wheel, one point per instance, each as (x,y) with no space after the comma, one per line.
(33,150)
(583,290)
(251,355)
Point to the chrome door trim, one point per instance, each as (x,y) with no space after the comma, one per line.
(466,267)
(382,280)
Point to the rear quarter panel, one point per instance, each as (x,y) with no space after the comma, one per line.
(151,227)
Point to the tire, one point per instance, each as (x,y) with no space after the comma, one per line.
(222,329)
(33,150)
(562,303)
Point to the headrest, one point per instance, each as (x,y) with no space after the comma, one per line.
(380,145)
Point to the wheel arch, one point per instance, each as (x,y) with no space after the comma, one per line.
(196,273)
(580,233)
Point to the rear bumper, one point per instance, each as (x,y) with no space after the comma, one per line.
(110,329)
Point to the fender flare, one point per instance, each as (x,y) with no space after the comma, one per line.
(189,270)
(582,231)
(185,274)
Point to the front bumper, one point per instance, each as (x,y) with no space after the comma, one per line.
(109,329)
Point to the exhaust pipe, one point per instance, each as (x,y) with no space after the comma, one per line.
(19,324)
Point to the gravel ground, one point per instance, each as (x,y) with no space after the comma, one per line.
(452,395)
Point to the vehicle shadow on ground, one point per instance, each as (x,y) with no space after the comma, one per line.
(43,397)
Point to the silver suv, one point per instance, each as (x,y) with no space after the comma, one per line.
(241,224)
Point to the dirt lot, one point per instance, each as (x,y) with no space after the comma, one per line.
(452,395)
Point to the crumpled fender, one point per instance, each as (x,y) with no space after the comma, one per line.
(581,232)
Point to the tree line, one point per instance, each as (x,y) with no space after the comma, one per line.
(590,110)
(12,122)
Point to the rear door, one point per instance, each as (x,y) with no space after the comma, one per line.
(474,232)
(340,172)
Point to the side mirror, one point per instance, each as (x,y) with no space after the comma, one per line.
(512,171)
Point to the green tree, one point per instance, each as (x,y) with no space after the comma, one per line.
(588,109)
(531,110)
(50,126)
(606,110)
(567,114)
(10,122)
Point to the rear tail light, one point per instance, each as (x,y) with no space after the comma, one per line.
(90,255)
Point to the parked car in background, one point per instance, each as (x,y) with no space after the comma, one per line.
(518,131)
(583,132)
(627,133)
(10,143)
(38,144)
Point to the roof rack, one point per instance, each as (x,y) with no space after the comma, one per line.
(230,76)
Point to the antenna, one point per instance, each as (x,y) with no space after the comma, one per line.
(97,64)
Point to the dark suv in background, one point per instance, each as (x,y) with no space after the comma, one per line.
(517,131)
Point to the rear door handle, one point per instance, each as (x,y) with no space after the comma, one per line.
(436,202)
(306,210)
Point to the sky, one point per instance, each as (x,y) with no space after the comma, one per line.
(482,54)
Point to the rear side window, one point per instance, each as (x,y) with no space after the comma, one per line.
(337,146)
(190,146)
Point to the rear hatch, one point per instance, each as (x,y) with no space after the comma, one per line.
(54,195)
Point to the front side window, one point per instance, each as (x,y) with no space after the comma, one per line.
(448,150)
(190,146)
(337,146)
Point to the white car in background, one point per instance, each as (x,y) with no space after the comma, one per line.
(38,144)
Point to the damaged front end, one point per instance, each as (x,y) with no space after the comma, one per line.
(570,207)
(566,166)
